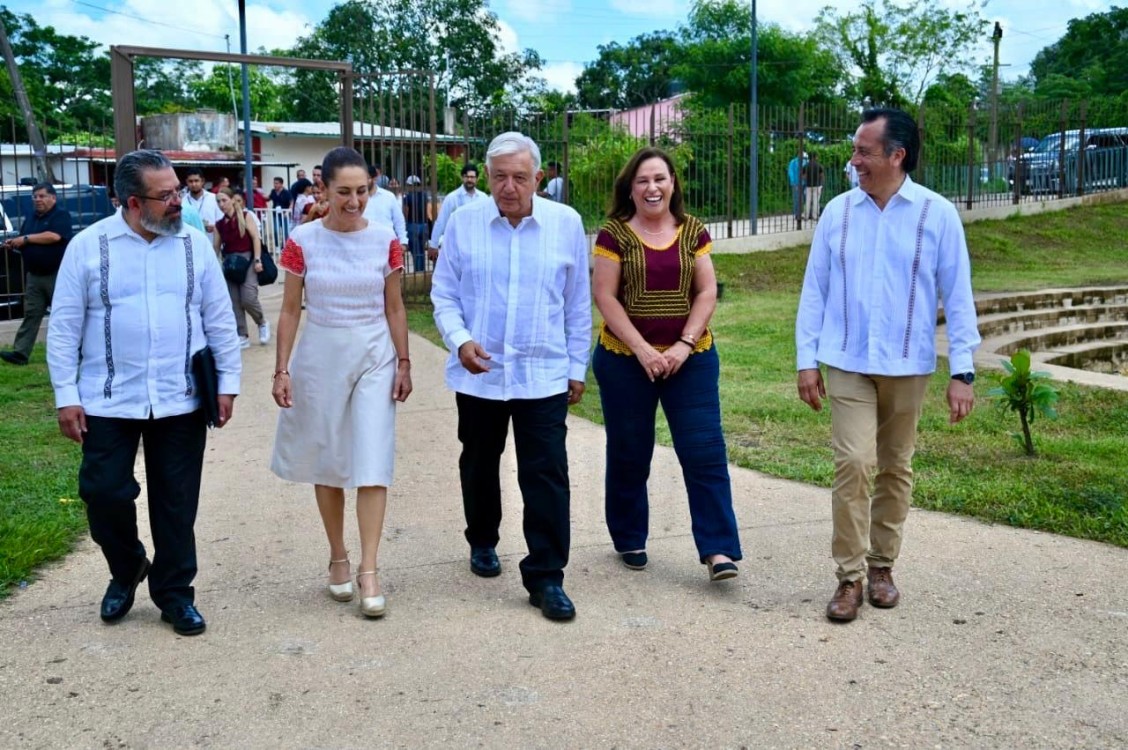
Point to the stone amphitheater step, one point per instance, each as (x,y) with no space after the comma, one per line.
(1064,329)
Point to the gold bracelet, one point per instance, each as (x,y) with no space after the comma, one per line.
(280,372)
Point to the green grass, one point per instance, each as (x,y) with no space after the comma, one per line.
(40,513)
(1077,486)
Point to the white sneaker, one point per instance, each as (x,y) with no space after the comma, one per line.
(244,342)
(264,333)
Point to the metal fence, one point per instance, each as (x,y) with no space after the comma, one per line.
(977,157)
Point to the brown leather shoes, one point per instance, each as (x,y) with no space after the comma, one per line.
(847,599)
(881,591)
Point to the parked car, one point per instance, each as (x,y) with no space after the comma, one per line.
(11,273)
(1104,154)
(86,204)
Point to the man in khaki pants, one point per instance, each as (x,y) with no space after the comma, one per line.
(880,259)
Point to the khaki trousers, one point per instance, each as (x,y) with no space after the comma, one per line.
(873,424)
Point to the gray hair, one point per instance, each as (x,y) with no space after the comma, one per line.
(129,176)
(513,143)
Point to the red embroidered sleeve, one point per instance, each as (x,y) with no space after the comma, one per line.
(292,258)
(395,256)
(607,246)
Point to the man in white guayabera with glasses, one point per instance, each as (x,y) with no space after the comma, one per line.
(138,294)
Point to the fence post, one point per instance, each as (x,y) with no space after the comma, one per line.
(1081,150)
(970,155)
(1019,167)
(798,202)
(565,191)
(923,151)
(728,173)
(1061,151)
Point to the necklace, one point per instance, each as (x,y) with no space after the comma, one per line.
(659,233)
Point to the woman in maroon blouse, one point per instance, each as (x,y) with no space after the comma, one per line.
(237,233)
(655,286)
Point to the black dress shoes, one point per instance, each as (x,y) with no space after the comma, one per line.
(119,596)
(13,357)
(553,603)
(185,619)
(484,562)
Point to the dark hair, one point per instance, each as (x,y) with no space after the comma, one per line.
(318,166)
(129,177)
(373,170)
(279,179)
(622,207)
(469,167)
(338,159)
(44,186)
(554,164)
(300,185)
(900,132)
(193,171)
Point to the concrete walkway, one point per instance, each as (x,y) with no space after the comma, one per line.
(1004,638)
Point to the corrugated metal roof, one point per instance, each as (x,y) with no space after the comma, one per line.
(360,130)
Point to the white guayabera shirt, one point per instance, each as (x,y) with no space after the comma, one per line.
(873,281)
(128,315)
(522,293)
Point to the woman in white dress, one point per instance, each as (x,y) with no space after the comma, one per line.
(338,391)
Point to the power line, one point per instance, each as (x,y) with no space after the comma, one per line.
(179,27)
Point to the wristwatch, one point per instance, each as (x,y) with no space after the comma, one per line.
(965,377)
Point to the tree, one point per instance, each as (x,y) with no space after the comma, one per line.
(899,47)
(1092,55)
(459,40)
(630,75)
(67,80)
(215,92)
(161,86)
(792,68)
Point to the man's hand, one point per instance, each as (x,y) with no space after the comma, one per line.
(209,227)
(961,400)
(226,407)
(432,254)
(72,422)
(472,358)
(811,388)
(575,391)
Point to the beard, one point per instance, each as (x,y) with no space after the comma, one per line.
(165,226)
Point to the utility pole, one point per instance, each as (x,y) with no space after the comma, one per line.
(39,149)
(754,120)
(248,157)
(992,139)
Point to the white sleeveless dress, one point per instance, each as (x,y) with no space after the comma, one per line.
(340,431)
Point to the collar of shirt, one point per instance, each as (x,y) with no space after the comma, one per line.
(537,216)
(116,226)
(909,192)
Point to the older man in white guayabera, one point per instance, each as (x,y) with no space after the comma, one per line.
(516,257)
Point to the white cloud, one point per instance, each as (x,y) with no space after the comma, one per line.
(507,37)
(543,11)
(198,24)
(678,9)
(562,75)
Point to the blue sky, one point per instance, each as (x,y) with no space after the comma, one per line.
(566,33)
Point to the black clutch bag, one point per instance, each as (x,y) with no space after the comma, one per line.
(207,384)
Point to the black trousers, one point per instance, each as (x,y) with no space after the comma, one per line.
(174,459)
(539,432)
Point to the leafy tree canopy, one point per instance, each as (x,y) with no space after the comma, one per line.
(715,64)
(457,39)
(67,81)
(1090,59)
(630,75)
(899,46)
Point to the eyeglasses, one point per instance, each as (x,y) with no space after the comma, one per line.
(166,197)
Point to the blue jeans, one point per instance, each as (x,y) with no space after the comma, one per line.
(692,404)
(417,244)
